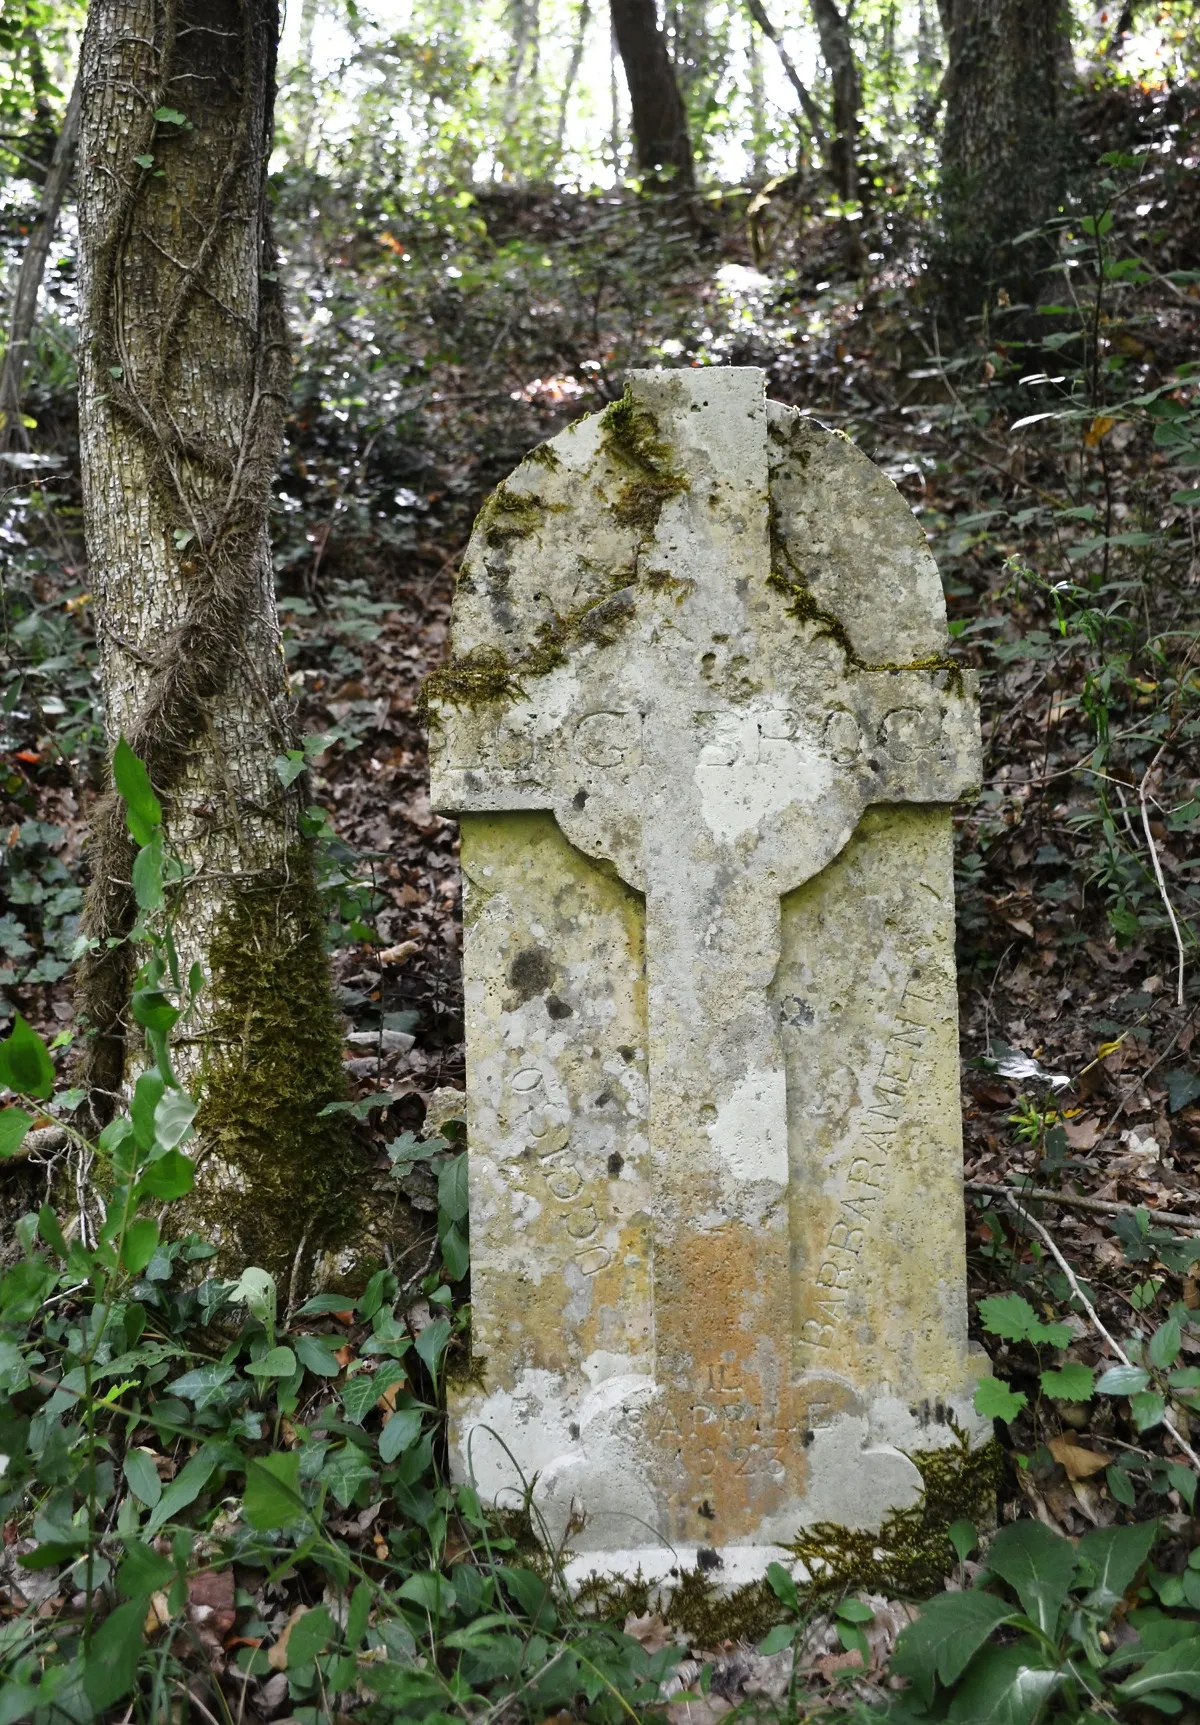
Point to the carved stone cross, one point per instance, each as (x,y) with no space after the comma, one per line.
(696,639)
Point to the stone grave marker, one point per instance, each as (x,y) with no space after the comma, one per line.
(702,736)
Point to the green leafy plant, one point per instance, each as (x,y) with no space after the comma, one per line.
(1044,1634)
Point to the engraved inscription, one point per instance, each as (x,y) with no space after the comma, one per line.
(548,1134)
(865,1177)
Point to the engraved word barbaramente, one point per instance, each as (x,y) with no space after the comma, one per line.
(702,737)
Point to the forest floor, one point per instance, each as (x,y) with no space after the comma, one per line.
(1072,577)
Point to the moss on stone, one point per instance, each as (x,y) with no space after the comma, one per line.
(509,515)
(545,456)
(804,606)
(632,440)
(911,1554)
(288,1178)
(489,674)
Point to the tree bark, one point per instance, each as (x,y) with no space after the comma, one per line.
(808,107)
(29,278)
(837,51)
(1001,167)
(185,379)
(660,128)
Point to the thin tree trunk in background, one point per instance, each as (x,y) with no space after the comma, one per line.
(185,380)
(758,108)
(29,278)
(1001,169)
(614,103)
(809,108)
(837,51)
(573,65)
(306,93)
(524,55)
(660,129)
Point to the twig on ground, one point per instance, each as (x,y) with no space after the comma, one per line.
(1101,1206)
(1073,1282)
(1143,788)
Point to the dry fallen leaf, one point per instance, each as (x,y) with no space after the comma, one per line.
(277,1655)
(158,1615)
(401,953)
(1079,1463)
(697,1709)
(832,1663)
(650,1630)
(1083,1133)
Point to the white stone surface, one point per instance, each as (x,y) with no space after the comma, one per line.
(716,1220)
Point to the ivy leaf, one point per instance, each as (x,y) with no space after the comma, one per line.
(1072,1382)
(148,875)
(431,1591)
(289,767)
(170,117)
(142,1476)
(143,811)
(431,1343)
(25,1066)
(275,1363)
(456,1255)
(272,1498)
(316,1355)
(182,1491)
(1122,1381)
(14,1124)
(344,1472)
(361,1392)
(1148,1409)
(400,1433)
(144,161)
(110,1669)
(995,1401)
(452,1188)
(308,1636)
(169,1177)
(140,1244)
(173,1118)
(1183,1087)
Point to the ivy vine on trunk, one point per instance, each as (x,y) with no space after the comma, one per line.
(185,382)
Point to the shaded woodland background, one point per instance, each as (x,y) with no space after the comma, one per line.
(994,294)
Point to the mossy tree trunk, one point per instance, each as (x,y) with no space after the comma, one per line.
(185,380)
(1002,146)
(660,129)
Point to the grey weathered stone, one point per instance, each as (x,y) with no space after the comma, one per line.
(703,737)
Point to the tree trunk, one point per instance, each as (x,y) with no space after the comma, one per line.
(573,65)
(1001,173)
(660,129)
(807,106)
(29,279)
(305,100)
(837,51)
(185,378)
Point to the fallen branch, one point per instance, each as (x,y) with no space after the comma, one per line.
(1101,1206)
(1073,1282)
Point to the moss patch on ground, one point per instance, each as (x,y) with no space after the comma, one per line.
(289,1177)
